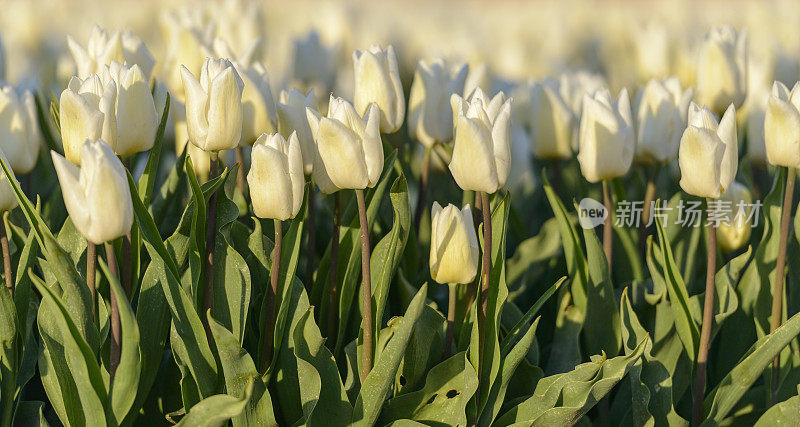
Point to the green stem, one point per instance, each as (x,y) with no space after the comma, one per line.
(272,299)
(486,274)
(333,291)
(705,332)
(366,288)
(91,269)
(423,188)
(451,320)
(780,266)
(608,225)
(6,258)
(116,332)
(211,237)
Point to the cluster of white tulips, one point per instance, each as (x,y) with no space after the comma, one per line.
(305,114)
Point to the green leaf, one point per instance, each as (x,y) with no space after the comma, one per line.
(148,179)
(44,126)
(322,393)
(515,334)
(423,351)
(9,341)
(216,410)
(442,401)
(536,249)
(783,413)
(377,385)
(30,414)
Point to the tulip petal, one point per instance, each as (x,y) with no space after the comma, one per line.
(473,164)
(342,152)
(79,122)
(699,158)
(224,111)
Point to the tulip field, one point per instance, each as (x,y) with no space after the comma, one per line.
(399,213)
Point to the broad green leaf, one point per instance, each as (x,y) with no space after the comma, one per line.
(423,352)
(538,248)
(9,342)
(442,401)
(375,388)
(516,333)
(30,414)
(216,410)
(148,179)
(781,414)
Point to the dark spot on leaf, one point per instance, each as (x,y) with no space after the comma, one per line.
(431,399)
(402,380)
(452,393)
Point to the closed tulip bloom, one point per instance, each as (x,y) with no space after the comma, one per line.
(135,112)
(19,129)
(430,116)
(606,142)
(102,48)
(96,194)
(661,118)
(454,245)
(292,118)
(722,69)
(481,151)
(87,111)
(214,105)
(708,156)
(313,63)
(189,41)
(377,80)
(782,126)
(349,148)
(549,120)
(734,233)
(276,178)
(8,199)
(258,105)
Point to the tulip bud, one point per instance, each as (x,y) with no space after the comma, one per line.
(348,146)
(477,77)
(549,120)
(377,80)
(276,177)
(661,118)
(103,48)
(313,64)
(19,129)
(8,199)
(188,38)
(708,155)
(292,118)
(782,126)
(606,142)
(574,85)
(481,152)
(722,69)
(87,111)
(96,194)
(735,233)
(223,50)
(454,245)
(214,105)
(135,111)
(652,49)
(258,105)
(430,116)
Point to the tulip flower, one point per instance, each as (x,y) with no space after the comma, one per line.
(430,116)
(313,64)
(258,105)
(87,111)
(708,154)
(722,69)
(377,80)
(481,151)
(292,107)
(735,233)
(134,112)
(660,120)
(276,177)
(19,129)
(188,37)
(454,254)
(247,58)
(103,48)
(549,120)
(214,105)
(782,126)
(606,142)
(478,77)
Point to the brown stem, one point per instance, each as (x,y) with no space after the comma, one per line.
(780,266)
(127,263)
(423,188)
(705,332)
(211,237)
(272,299)
(451,320)
(366,288)
(6,258)
(311,242)
(333,291)
(116,334)
(649,194)
(477,217)
(486,268)
(91,268)
(608,225)
(241,183)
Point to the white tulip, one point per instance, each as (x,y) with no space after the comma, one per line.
(258,105)
(429,112)
(454,245)
(548,118)
(735,232)
(313,63)
(782,126)
(8,199)
(247,58)
(349,151)
(708,154)
(377,80)
(19,129)
(87,111)
(135,112)
(722,69)
(102,48)
(292,118)
(96,194)
(214,105)
(652,48)
(276,179)
(188,39)
(477,78)
(660,120)
(606,142)
(481,152)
